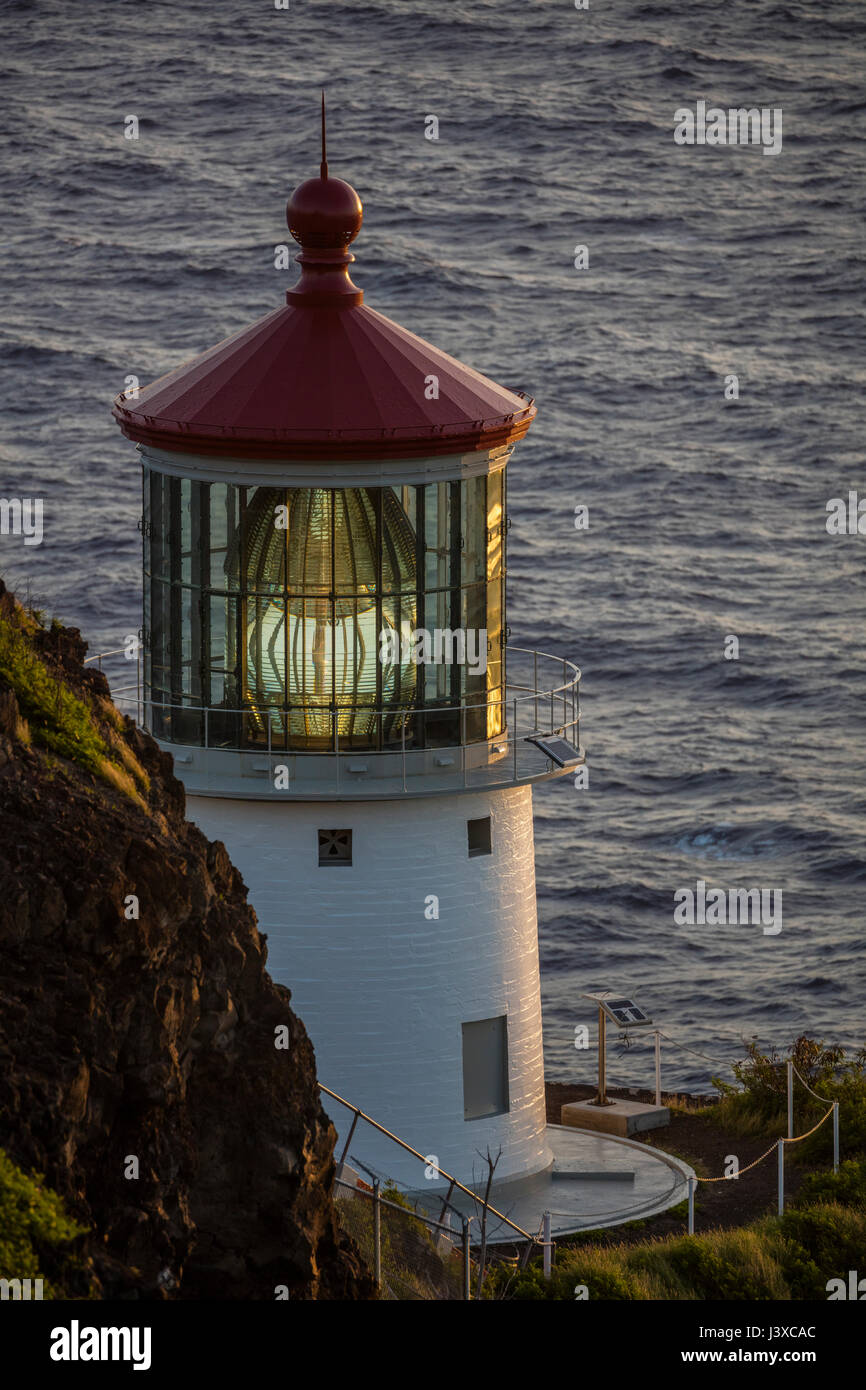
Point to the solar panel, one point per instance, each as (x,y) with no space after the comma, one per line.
(559,750)
(623,1012)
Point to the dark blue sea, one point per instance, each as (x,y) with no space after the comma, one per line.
(706,516)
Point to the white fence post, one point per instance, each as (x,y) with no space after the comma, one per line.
(790,1100)
(658,1067)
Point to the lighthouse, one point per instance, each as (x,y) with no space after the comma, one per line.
(326,658)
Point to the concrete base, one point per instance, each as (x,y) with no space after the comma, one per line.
(639,1181)
(623,1117)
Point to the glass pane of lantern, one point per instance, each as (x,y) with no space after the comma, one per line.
(355,541)
(309,540)
(264,542)
(399,541)
(437,536)
(473,528)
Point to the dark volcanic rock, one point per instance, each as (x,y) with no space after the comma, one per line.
(152,1037)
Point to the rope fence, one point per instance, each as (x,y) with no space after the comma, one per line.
(778,1144)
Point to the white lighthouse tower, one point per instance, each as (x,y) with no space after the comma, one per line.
(326,659)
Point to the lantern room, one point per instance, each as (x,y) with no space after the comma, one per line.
(300,614)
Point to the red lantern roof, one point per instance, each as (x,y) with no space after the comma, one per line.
(324,377)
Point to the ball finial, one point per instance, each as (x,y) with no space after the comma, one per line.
(324,213)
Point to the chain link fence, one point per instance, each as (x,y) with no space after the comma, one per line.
(412,1256)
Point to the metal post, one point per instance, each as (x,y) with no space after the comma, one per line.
(336,746)
(602,1076)
(781,1147)
(514,737)
(692,1185)
(547,1243)
(463,743)
(658,1067)
(377,1234)
(790,1100)
(349,1137)
(206,713)
(565,696)
(467,1281)
(403,748)
(445,1202)
(535,683)
(835,1136)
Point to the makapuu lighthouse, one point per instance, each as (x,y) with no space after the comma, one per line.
(326,658)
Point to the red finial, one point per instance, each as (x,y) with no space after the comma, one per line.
(325,216)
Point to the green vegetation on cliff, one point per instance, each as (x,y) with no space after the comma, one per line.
(59,720)
(37,1239)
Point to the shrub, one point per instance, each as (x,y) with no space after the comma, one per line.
(37,1238)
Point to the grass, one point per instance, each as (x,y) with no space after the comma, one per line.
(56,719)
(413,1268)
(787,1257)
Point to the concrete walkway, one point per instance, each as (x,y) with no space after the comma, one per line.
(596,1181)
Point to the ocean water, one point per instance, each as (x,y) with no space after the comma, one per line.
(706,517)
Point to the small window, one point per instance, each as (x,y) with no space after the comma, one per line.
(485,1068)
(479,837)
(335,847)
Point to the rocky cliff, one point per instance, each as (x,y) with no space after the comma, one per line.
(140,1065)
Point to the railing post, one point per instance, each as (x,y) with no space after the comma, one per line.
(514,737)
(835,1136)
(535,682)
(781,1148)
(547,1243)
(463,743)
(349,1137)
(403,751)
(658,1067)
(446,1201)
(692,1184)
(206,713)
(790,1100)
(564,695)
(467,1266)
(377,1234)
(337,746)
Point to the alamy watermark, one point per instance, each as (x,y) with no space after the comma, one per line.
(20,1289)
(22,516)
(739,125)
(443,646)
(738,907)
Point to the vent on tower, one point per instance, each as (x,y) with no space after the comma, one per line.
(335,847)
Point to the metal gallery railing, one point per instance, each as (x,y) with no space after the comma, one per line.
(492,738)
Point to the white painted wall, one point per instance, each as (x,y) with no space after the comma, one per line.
(382,990)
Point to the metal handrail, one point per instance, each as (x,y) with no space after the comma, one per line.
(569,687)
(359,1114)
